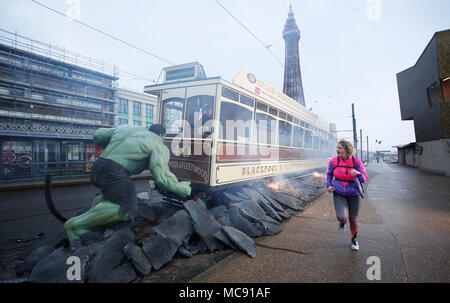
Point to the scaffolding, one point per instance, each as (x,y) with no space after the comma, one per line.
(51,102)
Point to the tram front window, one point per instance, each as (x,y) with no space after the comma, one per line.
(173,110)
(200,109)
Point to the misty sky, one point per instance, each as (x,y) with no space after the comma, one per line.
(350,50)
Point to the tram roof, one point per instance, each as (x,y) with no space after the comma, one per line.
(290,106)
(160,86)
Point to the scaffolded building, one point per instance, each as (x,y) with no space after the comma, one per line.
(51,103)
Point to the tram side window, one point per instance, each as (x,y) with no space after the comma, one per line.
(261,106)
(316,143)
(265,128)
(230,94)
(298,137)
(235,122)
(247,100)
(308,139)
(173,110)
(323,143)
(284,133)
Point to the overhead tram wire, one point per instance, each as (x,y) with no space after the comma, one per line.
(250,32)
(257,39)
(104,33)
(38,48)
(244,55)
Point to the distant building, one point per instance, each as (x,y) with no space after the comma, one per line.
(292,85)
(135,108)
(424,94)
(51,103)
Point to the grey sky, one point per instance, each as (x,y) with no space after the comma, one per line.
(350,50)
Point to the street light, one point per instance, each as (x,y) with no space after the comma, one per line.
(376,149)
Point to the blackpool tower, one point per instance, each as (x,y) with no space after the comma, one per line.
(292,75)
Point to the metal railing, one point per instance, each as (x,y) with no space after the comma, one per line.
(37,170)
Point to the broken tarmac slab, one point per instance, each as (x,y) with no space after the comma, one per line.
(159,250)
(242,223)
(54,268)
(241,240)
(256,196)
(155,211)
(136,255)
(178,227)
(288,202)
(205,225)
(109,255)
(33,259)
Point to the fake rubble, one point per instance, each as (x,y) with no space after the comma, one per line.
(127,251)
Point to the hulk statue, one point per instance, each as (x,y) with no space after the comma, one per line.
(127,150)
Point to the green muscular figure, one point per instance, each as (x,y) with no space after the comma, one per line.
(127,150)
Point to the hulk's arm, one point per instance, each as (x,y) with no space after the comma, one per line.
(102,136)
(164,178)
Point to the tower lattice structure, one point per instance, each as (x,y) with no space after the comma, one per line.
(292,85)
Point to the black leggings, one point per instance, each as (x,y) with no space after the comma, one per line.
(350,203)
(115,182)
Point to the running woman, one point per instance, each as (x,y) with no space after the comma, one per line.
(345,175)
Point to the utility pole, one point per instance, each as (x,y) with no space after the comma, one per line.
(355,138)
(360,140)
(368,157)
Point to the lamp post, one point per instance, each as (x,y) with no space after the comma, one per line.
(376,149)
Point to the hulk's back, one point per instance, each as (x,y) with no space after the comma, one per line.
(130,146)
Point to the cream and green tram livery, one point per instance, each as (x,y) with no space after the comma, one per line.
(223,134)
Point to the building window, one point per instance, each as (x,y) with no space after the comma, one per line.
(123,121)
(123,106)
(148,124)
(135,122)
(434,92)
(137,108)
(149,110)
(17,157)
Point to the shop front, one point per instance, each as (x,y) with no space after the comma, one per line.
(31,158)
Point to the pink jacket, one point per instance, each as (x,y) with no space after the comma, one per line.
(340,178)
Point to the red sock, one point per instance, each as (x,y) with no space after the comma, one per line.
(354,229)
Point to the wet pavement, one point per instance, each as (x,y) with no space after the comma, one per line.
(404,224)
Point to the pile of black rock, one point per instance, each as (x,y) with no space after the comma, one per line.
(129,251)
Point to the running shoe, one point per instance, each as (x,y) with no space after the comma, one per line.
(355,245)
(341,227)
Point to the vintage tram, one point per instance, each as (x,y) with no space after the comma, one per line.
(223,134)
